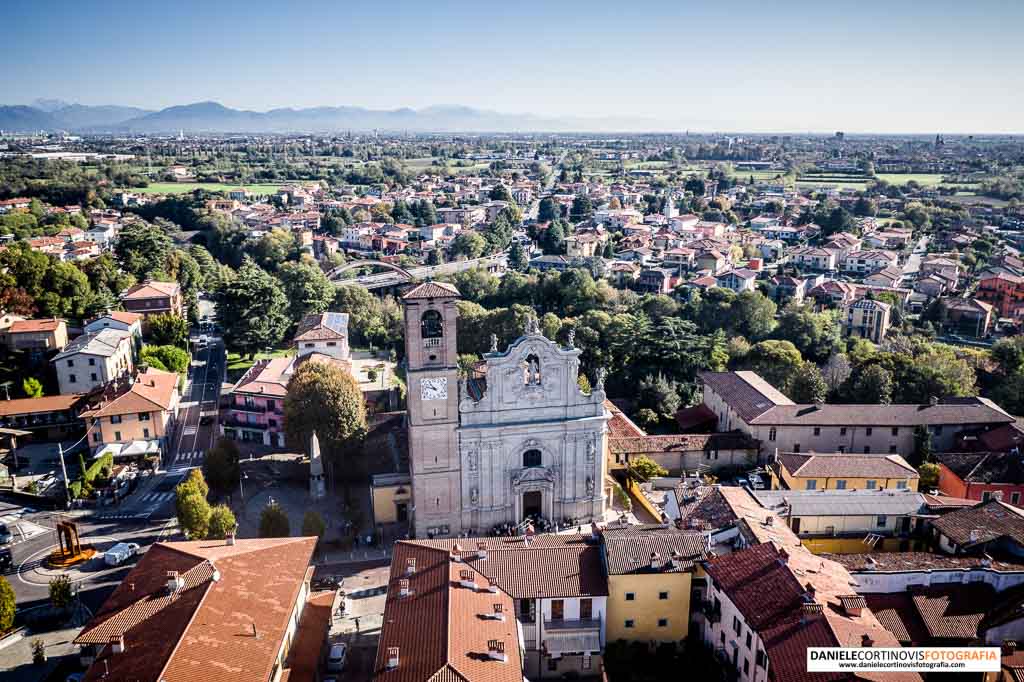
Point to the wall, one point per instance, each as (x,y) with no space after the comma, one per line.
(385,499)
(120,363)
(870,582)
(856,545)
(647,608)
(800,483)
(713,637)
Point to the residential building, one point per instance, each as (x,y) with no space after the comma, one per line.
(738,280)
(657,280)
(37,335)
(145,409)
(980,475)
(994,528)
(842,471)
(120,320)
(650,579)
(154,298)
(967,316)
(852,521)
(765,605)
(50,418)
(1003,290)
(889,277)
(94,359)
(864,262)
(231,610)
(782,289)
(867,319)
(553,586)
(813,258)
(746,402)
(252,411)
(323,333)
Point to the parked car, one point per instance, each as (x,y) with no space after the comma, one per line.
(6,536)
(120,553)
(326,582)
(337,657)
(756,482)
(6,560)
(741,481)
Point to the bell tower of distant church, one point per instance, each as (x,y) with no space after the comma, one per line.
(433,398)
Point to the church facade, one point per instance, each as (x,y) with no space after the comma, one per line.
(516,439)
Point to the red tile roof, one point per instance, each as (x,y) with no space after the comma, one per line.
(431,290)
(205,631)
(34,326)
(152,290)
(831,465)
(953,612)
(49,403)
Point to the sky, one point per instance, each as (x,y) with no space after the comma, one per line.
(867,66)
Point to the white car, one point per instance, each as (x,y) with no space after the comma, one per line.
(120,553)
(336,659)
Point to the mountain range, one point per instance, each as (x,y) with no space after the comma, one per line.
(212,117)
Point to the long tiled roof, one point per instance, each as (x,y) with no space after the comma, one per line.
(982,524)
(152,390)
(953,612)
(745,392)
(205,631)
(631,551)
(103,343)
(952,411)
(842,502)
(33,326)
(833,465)
(899,562)
(758,583)
(684,442)
(985,467)
(49,403)
(151,290)
(439,627)
(322,326)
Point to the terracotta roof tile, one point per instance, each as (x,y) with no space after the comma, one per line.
(152,290)
(431,290)
(630,551)
(49,403)
(831,465)
(982,524)
(35,326)
(953,612)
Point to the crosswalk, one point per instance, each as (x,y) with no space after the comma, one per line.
(187,460)
(190,431)
(20,528)
(151,501)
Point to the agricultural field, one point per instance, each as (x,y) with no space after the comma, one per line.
(839,180)
(923,179)
(184,187)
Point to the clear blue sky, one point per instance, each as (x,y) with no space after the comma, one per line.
(729,64)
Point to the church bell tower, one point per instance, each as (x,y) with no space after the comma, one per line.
(433,399)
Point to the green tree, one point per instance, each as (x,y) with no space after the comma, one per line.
(8,605)
(929,473)
(548,210)
(168,329)
(167,358)
(643,468)
(142,248)
(60,592)
(469,244)
(192,509)
(208,267)
(324,399)
(306,287)
(582,209)
(313,524)
(220,467)
(517,258)
(32,387)
(552,240)
(776,361)
(222,522)
(660,395)
(872,385)
(476,284)
(274,522)
(923,447)
(807,385)
(815,335)
(753,315)
(274,248)
(253,310)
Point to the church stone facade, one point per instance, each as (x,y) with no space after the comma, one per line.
(516,439)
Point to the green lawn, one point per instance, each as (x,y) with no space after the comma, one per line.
(183,187)
(238,365)
(923,179)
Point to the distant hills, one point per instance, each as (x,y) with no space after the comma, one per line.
(212,117)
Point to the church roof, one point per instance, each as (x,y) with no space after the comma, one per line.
(431,290)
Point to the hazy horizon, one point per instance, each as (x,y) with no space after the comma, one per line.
(877,68)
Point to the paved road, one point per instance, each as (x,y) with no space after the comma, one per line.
(388,279)
(913,264)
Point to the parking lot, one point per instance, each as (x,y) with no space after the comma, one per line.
(365,587)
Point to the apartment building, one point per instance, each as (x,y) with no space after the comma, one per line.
(841,471)
(144,409)
(36,335)
(867,319)
(154,298)
(94,359)
(746,402)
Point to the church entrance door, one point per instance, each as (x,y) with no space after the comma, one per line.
(533,503)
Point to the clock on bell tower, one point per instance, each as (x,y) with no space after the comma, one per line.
(432,375)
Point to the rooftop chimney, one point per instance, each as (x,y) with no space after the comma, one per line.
(174,582)
(783,556)
(403,587)
(492,585)
(866,640)
(456,553)
(392,657)
(496,650)
(809,591)
(655,559)
(497,614)
(117,644)
(230,538)
(810,610)
(481,550)
(410,565)
(467,578)
(769,520)
(1009,647)
(997,495)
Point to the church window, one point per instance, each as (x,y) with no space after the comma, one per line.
(431,326)
(532,458)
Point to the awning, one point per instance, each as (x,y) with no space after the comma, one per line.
(135,448)
(578,642)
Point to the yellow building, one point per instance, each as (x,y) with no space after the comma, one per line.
(650,575)
(842,471)
(391,498)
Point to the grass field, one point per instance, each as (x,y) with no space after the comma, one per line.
(238,365)
(923,179)
(183,187)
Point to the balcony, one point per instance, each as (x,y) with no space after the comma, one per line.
(433,343)
(582,624)
(234,422)
(241,407)
(710,613)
